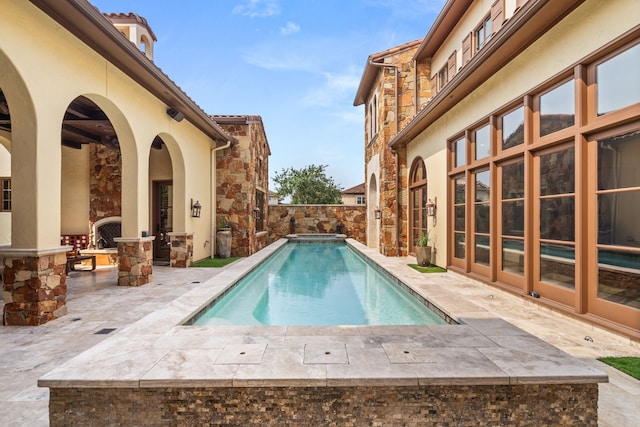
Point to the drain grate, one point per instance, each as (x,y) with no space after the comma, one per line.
(105,331)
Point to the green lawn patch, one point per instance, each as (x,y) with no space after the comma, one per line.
(215,262)
(430,269)
(628,365)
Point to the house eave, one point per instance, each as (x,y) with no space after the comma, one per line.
(87,23)
(533,20)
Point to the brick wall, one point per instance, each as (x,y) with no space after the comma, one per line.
(521,405)
(314,219)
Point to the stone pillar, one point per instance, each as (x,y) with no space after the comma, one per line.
(181,249)
(35,286)
(135,260)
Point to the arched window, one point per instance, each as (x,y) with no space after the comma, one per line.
(417,201)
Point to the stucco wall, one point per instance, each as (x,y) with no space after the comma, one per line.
(314,219)
(565,44)
(31,48)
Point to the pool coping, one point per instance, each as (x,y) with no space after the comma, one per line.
(160,351)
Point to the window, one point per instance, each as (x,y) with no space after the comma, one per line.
(482,34)
(511,128)
(418,201)
(557,109)
(460,149)
(557,217)
(6,194)
(459,223)
(259,212)
(618,203)
(360,200)
(512,217)
(618,81)
(443,77)
(373,116)
(481,142)
(482,217)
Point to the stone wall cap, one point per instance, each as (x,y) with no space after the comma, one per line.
(134,239)
(7,251)
(179,233)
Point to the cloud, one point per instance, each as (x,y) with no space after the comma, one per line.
(257,8)
(336,89)
(290,28)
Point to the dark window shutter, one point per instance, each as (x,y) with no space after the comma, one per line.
(434,84)
(466,49)
(497,15)
(451,64)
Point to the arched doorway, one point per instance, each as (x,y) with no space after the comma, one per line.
(417,202)
(373,236)
(162,200)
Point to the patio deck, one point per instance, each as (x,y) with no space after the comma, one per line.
(96,305)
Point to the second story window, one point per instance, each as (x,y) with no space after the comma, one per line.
(373,116)
(443,77)
(360,200)
(482,34)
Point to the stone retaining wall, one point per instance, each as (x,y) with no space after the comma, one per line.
(317,219)
(445,405)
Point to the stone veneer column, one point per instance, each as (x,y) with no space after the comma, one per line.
(135,260)
(181,249)
(35,286)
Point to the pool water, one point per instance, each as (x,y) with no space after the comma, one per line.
(317,284)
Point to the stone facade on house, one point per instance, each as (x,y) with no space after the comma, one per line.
(388,90)
(105,182)
(242,184)
(317,219)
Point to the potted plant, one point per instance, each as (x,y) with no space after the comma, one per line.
(423,251)
(223,238)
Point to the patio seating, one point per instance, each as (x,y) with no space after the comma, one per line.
(74,257)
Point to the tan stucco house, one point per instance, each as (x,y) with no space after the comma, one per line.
(354,195)
(100,149)
(511,134)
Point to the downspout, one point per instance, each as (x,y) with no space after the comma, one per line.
(395,153)
(212,214)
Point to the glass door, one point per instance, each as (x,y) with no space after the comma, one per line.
(162,219)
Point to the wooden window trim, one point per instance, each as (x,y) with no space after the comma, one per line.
(10,199)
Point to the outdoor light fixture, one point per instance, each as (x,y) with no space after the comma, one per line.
(175,114)
(195,209)
(256,212)
(431,208)
(378,213)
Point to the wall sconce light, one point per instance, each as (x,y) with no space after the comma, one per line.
(175,114)
(378,213)
(431,208)
(195,209)
(256,212)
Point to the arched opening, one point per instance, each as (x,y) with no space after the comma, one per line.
(91,182)
(373,227)
(5,170)
(417,202)
(162,200)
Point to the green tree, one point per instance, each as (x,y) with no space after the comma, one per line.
(308,185)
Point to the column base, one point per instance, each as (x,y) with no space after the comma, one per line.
(135,260)
(35,285)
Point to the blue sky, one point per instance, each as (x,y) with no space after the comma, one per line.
(296,63)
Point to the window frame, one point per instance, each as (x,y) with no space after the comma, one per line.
(5,180)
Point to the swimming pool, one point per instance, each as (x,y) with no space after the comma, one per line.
(317,284)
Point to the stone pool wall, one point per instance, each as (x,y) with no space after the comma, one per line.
(389,406)
(317,219)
